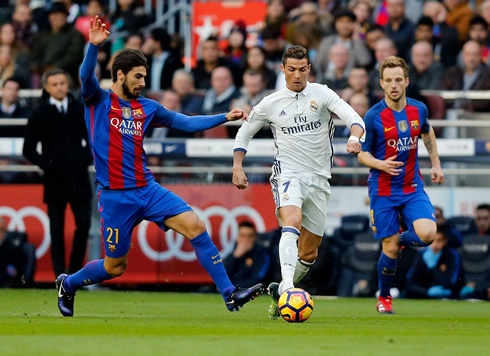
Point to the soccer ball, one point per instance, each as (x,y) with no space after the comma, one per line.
(295,305)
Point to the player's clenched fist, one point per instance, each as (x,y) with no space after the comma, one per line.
(239,178)
(353,147)
(97,32)
(237,114)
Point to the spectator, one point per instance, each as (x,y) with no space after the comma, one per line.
(256,59)
(18,51)
(455,240)
(82,23)
(62,47)
(163,62)
(359,54)
(338,68)
(222,92)
(373,34)
(363,11)
(485,11)
(309,36)
(424,71)
(211,59)
(276,16)
(236,49)
(459,15)
(11,108)
(436,271)
(171,100)
(24,25)
(359,84)
(183,85)
(17,258)
(308,15)
(133,41)
(479,33)
(8,67)
(482,219)
(399,28)
(360,103)
(333,7)
(73,10)
(443,38)
(472,75)
(130,16)
(253,91)
(383,49)
(58,124)
(249,262)
(274,46)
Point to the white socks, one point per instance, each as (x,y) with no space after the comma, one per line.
(288,256)
(302,267)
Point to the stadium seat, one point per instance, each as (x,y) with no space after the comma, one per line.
(350,226)
(475,255)
(358,267)
(464,224)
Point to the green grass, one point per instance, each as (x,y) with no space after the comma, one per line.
(142,323)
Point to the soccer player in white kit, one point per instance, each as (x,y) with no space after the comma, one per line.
(301,122)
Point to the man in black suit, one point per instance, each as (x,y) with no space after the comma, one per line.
(162,60)
(58,123)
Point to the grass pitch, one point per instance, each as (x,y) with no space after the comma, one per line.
(151,323)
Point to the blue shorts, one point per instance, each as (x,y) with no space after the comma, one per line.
(121,210)
(385,211)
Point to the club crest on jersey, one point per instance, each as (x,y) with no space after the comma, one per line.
(285,197)
(126,112)
(112,248)
(414,124)
(138,113)
(402,125)
(313,106)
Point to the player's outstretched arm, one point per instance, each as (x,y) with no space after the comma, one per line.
(202,122)
(97,35)
(436,173)
(389,165)
(239,177)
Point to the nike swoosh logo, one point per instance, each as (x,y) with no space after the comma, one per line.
(170,148)
(388,129)
(113,108)
(59,292)
(214,257)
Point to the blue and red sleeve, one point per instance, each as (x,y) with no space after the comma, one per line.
(164,117)
(90,84)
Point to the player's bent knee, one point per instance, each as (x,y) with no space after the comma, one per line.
(116,270)
(428,236)
(391,249)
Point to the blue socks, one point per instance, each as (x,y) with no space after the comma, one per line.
(410,238)
(386,274)
(92,273)
(209,257)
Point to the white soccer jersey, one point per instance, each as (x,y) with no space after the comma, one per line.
(302,126)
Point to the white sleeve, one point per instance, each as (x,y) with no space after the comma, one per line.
(343,110)
(256,120)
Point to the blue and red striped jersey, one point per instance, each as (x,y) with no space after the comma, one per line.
(116,129)
(391,133)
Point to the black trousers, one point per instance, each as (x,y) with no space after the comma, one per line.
(56,211)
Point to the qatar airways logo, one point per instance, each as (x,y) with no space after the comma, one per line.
(128,127)
(404,143)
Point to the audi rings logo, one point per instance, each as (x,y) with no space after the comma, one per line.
(175,241)
(17,223)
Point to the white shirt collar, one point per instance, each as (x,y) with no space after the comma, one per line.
(63,104)
(293,93)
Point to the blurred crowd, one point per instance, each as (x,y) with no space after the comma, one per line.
(455,266)
(446,44)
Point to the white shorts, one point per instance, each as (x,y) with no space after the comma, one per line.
(307,192)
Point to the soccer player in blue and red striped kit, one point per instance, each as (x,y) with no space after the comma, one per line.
(116,120)
(393,127)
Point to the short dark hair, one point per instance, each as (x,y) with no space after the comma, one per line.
(478,20)
(296,52)
(483,207)
(443,229)
(254,72)
(375,27)
(211,39)
(50,73)
(126,60)
(271,32)
(11,79)
(247,223)
(161,36)
(425,21)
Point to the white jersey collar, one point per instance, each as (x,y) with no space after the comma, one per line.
(293,93)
